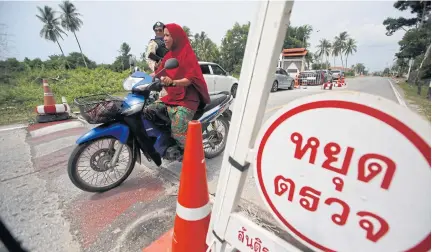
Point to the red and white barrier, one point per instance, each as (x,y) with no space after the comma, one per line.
(52,109)
(328,85)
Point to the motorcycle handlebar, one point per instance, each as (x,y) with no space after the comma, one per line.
(156,85)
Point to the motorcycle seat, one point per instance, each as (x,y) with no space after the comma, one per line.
(215,100)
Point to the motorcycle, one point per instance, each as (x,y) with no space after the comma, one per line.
(125,131)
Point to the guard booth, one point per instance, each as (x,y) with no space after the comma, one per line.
(342,186)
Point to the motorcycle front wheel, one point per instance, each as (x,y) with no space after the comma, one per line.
(215,137)
(89,165)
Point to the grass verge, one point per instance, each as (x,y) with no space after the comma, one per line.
(422,104)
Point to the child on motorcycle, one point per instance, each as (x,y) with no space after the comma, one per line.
(185,85)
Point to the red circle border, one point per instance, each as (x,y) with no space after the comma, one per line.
(413,137)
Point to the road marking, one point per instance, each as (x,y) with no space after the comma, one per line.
(398,96)
(13,128)
(56,127)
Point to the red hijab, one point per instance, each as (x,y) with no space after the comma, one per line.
(188,63)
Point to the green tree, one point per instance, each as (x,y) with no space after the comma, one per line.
(71,22)
(205,49)
(350,48)
(76,60)
(335,50)
(35,63)
(360,68)
(386,71)
(324,49)
(188,32)
(297,37)
(51,29)
(340,44)
(416,42)
(233,47)
(122,61)
(55,62)
(420,8)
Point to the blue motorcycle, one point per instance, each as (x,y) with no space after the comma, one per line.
(106,155)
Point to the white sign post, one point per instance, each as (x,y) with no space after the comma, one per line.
(263,47)
(342,171)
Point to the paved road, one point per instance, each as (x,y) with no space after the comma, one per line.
(42,207)
(373,85)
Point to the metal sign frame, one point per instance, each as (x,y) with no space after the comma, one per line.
(265,40)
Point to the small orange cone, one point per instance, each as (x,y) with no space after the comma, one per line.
(48,95)
(193,203)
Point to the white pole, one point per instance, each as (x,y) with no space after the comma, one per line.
(265,40)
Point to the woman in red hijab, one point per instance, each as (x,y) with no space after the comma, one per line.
(185,85)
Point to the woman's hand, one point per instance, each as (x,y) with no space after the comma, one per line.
(166,81)
(152,74)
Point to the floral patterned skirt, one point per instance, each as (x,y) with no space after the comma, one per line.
(180,117)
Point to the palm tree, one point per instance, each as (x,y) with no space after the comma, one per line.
(340,41)
(71,22)
(51,30)
(350,48)
(335,50)
(205,49)
(303,33)
(324,49)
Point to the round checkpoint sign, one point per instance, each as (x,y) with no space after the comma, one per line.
(348,171)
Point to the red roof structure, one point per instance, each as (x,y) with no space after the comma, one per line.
(294,52)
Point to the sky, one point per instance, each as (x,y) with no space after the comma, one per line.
(109,23)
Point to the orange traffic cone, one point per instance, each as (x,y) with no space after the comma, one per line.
(48,95)
(193,204)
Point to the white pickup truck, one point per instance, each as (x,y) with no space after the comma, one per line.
(217,78)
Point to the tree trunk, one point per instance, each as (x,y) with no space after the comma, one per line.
(334,61)
(64,57)
(342,61)
(429,92)
(418,71)
(419,88)
(346,60)
(82,55)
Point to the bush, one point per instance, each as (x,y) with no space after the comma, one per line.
(349,73)
(27,93)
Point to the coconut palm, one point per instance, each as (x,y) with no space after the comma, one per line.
(205,48)
(51,30)
(71,22)
(303,33)
(350,48)
(341,43)
(324,49)
(335,50)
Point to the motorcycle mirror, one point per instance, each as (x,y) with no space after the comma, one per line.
(171,63)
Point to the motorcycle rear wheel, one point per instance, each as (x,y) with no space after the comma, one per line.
(97,164)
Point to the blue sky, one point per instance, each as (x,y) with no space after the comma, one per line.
(109,23)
